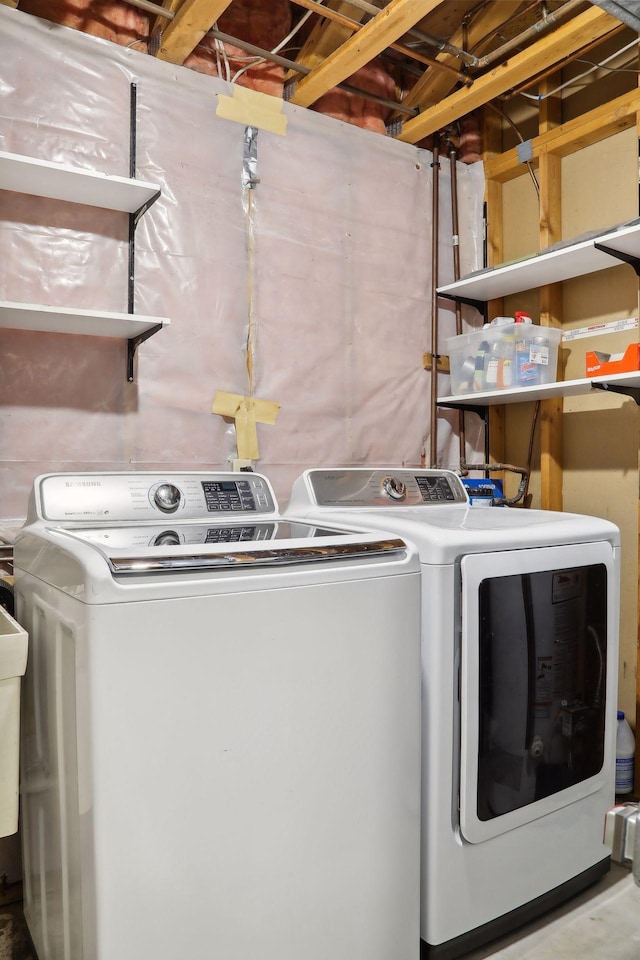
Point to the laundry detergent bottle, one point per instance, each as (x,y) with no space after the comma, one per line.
(625,752)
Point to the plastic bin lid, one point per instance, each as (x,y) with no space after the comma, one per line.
(13,647)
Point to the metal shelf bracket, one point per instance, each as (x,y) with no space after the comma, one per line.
(633,392)
(480,305)
(134,342)
(620,255)
(132,345)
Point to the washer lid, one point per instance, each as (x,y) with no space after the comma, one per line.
(143,549)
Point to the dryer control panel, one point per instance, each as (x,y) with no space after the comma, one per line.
(363,487)
(143,496)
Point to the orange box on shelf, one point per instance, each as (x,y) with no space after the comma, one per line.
(610,364)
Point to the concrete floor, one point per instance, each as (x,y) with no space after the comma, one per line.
(602,923)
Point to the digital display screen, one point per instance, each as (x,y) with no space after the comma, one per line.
(224,495)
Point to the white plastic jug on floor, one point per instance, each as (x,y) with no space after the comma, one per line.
(625,753)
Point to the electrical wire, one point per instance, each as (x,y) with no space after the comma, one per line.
(276,49)
(221,52)
(521,139)
(593,68)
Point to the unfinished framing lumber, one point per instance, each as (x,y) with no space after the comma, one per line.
(548,51)
(550,179)
(186,30)
(386,27)
(592,127)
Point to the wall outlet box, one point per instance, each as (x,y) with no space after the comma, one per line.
(242,465)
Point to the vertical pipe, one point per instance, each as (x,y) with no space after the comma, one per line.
(455,229)
(435,165)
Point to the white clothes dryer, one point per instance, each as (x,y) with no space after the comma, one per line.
(220,752)
(519,674)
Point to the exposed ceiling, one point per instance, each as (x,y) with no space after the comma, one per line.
(423,63)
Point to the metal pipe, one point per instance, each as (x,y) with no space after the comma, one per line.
(433,437)
(354,25)
(514,16)
(259,52)
(299,68)
(546,21)
(442,45)
(455,227)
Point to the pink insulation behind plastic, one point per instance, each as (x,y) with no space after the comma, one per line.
(328,259)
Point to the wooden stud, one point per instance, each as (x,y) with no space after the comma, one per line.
(492,140)
(592,127)
(549,177)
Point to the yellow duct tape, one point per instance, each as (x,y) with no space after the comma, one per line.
(253,109)
(246,411)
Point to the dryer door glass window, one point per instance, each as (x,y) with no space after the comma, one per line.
(541,685)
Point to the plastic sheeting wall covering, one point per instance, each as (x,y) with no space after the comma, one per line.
(327,261)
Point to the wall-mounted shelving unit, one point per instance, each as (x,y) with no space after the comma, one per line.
(625,383)
(135,329)
(559,263)
(58,181)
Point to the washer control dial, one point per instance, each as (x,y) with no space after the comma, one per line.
(394,488)
(168,538)
(167,497)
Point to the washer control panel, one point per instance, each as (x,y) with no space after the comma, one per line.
(363,487)
(142,496)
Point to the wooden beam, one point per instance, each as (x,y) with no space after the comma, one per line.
(327,37)
(592,127)
(160,23)
(382,30)
(550,179)
(329,41)
(492,140)
(550,49)
(436,84)
(186,30)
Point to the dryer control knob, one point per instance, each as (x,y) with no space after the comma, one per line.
(394,488)
(167,498)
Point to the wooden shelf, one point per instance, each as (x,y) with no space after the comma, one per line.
(561,263)
(625,383)
(96,323)
(58,181)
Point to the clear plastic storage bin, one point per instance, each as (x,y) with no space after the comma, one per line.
(13,662)
(504,356)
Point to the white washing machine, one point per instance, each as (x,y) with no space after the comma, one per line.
(220,753)
(519,674)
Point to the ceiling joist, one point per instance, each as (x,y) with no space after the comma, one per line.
(380,32)
(436,84)
(549,50)
(193,19)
